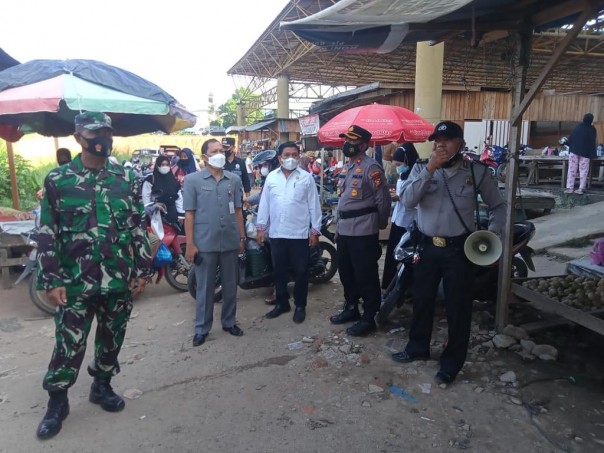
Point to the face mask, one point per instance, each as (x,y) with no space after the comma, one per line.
(452,160)
(217,160)
(290,163)
(100,146)
(164,170)
(402,169)
(264,171)
(228,153)
(350,150)
(183,162)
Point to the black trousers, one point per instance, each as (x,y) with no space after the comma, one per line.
(290,255)
(457,273)
(390,264)
(359,273)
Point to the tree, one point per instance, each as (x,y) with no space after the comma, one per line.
(228,111)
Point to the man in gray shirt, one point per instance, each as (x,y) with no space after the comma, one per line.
(215,234)
(443,189)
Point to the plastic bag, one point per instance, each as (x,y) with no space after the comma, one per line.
(597,255)
(163,257)
(157,225)
(250,230)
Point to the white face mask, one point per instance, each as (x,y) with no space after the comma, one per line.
(217,160)
(264,171)
(290,163)
(164,170)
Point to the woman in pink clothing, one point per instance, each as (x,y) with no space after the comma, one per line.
(582,145)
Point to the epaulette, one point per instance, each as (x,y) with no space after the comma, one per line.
(421,161)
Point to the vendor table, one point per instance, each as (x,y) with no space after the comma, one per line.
(12,242)
(547,304)
(535,162)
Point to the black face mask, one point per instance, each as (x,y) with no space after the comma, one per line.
(183,162)
(452,161)
(228,153)
(100,146)
(350,150)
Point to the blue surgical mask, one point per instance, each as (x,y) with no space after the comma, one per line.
(402,169)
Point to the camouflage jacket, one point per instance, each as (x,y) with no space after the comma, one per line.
(92,234)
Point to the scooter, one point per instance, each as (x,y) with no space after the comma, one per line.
(177,270)
(486,277)
(255,264)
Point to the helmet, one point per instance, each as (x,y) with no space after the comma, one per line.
(265,157)
(563,141)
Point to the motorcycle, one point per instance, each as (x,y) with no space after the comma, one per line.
(255,264)
(177,270)
(486,277)
(38,298)
(495,158)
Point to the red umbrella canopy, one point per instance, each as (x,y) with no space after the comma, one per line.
(387,123)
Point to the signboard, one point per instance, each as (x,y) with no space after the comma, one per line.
(309,124)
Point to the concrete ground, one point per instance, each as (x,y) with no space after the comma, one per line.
(310,387)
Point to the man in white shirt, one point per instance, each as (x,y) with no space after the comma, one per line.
(290,210)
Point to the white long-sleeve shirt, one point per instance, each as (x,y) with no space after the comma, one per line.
(402,216)
(290,206)
(147,198)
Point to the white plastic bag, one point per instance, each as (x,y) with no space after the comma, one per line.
(250,230)
(156,224)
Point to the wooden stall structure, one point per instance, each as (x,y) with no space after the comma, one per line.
(588,319)
(266,134)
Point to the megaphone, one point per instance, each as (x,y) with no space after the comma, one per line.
(483,248)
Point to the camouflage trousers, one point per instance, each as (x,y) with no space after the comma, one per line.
(72,325)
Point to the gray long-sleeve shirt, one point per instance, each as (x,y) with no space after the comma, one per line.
(435,212)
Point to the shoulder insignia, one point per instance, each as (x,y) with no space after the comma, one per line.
(376,177)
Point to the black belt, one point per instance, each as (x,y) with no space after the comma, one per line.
(439,241)
(356,213)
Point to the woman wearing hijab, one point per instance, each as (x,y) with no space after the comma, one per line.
(184,165)
(403,160)
(163,187)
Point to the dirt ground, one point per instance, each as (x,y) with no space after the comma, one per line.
(334,394)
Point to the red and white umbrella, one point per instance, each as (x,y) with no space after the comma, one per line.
(387,123)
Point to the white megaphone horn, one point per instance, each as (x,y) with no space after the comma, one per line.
(483,248)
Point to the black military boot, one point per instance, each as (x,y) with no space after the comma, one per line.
(102,393)
(57,411)
(348,314)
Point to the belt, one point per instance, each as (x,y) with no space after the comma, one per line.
(438,241)
(356,212)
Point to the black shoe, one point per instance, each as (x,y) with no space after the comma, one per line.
(299,315)
(102,393)
(361,328)
(235,330)
(277,311)
(58,410)
(199,339)
(349,314)
(404,357)
(443,378)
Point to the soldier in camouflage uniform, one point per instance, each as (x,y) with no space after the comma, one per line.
(93,257)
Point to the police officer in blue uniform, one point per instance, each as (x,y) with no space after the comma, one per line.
(444,189)
(363,209)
